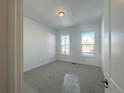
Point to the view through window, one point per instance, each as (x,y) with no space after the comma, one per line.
(88,43)
(65,44)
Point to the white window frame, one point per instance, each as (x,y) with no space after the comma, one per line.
(64,48)
(88,53)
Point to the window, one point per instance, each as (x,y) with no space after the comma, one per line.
(88,43)
(65,44)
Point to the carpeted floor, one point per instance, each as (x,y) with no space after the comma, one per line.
(49,78)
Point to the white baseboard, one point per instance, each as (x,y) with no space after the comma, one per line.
(115,87)
(80,62)
(40,64)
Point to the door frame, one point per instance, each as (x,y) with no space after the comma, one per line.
(15,46)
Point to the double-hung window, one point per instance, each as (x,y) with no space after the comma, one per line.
(65,44)
(88,43)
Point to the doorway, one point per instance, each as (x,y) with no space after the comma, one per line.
(61,46)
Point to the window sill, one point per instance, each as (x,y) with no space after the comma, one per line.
(88,55)
(65,54)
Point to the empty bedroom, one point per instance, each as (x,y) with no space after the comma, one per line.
(62,46)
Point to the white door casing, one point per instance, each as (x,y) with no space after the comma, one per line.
(15,39)
(15,77)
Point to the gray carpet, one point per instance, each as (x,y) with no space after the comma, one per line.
(49,78)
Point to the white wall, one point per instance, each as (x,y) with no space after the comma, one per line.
(75,44)
(39,44)
(3,46)
(113,45)
(117,42)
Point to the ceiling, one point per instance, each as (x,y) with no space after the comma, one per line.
(76,11)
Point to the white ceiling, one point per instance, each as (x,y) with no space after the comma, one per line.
(76,11)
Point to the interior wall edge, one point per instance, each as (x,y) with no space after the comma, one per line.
(27,17)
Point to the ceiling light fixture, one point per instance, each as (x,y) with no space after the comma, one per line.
(61,13)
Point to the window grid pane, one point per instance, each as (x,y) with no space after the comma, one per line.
(65,44)
(88,43)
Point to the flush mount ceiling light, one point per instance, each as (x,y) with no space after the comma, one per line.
(61,13)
